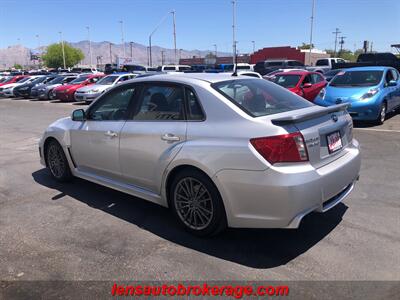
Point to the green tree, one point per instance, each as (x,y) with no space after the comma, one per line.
(53,58)
(17,66)
(305,46)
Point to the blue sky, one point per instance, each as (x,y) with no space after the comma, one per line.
(202,23)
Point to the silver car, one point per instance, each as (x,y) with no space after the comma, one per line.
(219,150)
(91,92)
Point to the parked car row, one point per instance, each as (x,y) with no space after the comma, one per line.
(372,92)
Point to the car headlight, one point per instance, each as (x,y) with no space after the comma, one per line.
(369,94)
(322,93)
(95,91)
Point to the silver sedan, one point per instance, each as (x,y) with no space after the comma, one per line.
(219,150)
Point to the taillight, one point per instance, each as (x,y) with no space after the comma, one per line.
(281,148)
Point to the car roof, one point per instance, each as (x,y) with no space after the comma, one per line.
(372,68)
(295,73)
(192,77)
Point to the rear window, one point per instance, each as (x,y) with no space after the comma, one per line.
(260,97)
(274,63)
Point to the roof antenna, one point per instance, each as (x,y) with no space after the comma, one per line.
(235,63)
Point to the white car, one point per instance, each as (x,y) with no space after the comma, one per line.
(91,92)
(173,68)
(249,73)
(7,90)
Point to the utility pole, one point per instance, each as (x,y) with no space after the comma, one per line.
(180,54)
(341,42)
(111,60)
(122,38)
(233,31)
(148,57)
(174,24)
(215,50)
(336,32)
(254,46)
(62,46)
(311,31)
(90,45)
(162,57)
(131,44)
(370,50)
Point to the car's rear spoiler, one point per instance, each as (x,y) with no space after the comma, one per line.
(298,117)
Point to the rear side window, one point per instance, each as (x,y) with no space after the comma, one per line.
(260,97)
(169,68)
(322,62)
(161,103)
(194,109)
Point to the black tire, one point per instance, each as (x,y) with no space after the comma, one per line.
(57,162)
(382,114)
(213,221)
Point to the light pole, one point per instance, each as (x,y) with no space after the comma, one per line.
(254,46)
(311,30)
(111,54)
(90,45)
(174,25)
(131,44)
(62,47)
(162,57)
(122,37)
(233,31)
(215,50)
(180,54)
(155,29)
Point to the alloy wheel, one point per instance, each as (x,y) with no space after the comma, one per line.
(193,203)
(56,161)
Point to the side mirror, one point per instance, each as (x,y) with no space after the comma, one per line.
(78,115)
(307,85)
(392,83)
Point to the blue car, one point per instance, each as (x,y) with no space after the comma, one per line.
(371,91)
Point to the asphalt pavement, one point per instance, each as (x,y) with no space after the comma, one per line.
(83,231)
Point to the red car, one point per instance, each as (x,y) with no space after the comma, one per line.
(303,83)
(13,79)
(67,92)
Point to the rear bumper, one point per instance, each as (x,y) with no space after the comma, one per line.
(280,197)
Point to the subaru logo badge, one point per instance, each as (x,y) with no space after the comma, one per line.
(334,118)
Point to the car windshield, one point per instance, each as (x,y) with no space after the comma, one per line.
(38,80)
(79,80)
(56,80)
(260,97)
(357,78)
(287,81)
(332,72)
(25,79)
(108,80)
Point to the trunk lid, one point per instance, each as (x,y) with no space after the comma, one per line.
(318,125)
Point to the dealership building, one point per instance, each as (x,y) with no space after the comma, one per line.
(285,52)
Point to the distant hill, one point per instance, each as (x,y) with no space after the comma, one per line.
(21,55)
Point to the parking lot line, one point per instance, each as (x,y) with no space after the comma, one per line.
(379,130)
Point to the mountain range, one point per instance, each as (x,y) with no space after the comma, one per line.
(18,54)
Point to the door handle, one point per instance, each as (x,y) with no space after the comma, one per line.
(170,137)
(110,133)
